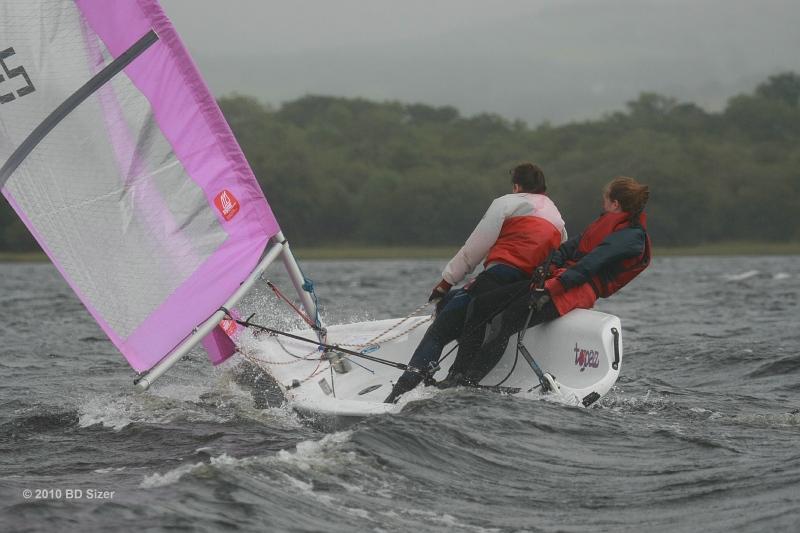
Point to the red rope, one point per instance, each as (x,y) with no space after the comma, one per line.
(280,295)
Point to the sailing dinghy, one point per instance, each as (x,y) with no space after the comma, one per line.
(117,158)
(582,350)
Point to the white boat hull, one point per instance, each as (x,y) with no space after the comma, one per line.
(582,350)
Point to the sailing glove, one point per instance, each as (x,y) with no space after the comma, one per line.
(439,291)
(538,278)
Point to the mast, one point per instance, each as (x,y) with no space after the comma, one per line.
(299,281)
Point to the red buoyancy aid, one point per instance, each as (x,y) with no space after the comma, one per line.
(628,268)
(583,296)
(524,243)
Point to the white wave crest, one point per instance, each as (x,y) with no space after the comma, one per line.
(308,455)
(418,393)
(742,276)
(770,420)
(445,519)
(117,412)
(108,411)
(651,404)
(170,477)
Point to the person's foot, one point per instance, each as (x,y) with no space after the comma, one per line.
(397,391)
(403,385)
(452,380)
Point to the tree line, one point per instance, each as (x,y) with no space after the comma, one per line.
(352,171)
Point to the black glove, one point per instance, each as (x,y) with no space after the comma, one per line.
(538,300)
(538,278)
(439,291)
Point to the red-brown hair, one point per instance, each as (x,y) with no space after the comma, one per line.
(631,195)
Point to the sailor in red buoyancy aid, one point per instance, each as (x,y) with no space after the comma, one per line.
(610,252)
(518,231)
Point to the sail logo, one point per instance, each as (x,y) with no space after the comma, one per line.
(229,323)
(13,73)
(229,326)
(586,358)
(227,204)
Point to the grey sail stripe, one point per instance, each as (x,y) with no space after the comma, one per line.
(75,99)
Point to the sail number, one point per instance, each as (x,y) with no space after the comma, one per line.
(7,73)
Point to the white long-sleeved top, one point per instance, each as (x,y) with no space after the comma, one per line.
(518,229)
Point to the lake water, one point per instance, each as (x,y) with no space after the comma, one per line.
(702,431)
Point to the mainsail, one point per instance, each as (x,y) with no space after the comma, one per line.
(117,158)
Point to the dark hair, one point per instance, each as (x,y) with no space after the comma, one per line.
(631,195)
(529,177)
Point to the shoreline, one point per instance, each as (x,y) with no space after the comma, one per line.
(347,252)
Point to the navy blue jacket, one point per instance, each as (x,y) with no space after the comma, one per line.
(604,260)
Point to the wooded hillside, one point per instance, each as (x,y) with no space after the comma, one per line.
(352,171)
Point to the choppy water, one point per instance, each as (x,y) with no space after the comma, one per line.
(701,433)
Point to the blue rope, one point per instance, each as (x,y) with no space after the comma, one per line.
(308,286)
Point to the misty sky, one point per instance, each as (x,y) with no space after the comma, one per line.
(556,60)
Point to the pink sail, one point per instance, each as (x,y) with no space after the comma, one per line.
(219,343)
(218,346)
(119,161)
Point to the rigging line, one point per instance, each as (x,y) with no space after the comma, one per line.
(305,357)
(315,372)
(260,364)
(329,347)
(514,366)
(389,339)
(316,327)
(516,358)
(408,317)
(281,296)
(374,340)
(362,366)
